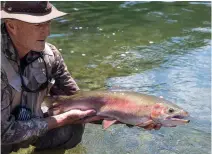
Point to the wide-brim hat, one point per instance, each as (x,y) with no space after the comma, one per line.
(30,11)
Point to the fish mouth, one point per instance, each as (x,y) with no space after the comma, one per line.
(179,118)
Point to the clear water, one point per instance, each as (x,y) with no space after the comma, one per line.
(158,48)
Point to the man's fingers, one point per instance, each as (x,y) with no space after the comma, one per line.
(158,126)
(87,113)
(78,114)
(149,127)
(153,126)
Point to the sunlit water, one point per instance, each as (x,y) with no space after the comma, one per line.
(157,48)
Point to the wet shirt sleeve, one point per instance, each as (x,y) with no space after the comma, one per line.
(13,131)
(64,83)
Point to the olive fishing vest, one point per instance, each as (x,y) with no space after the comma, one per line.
(34,75)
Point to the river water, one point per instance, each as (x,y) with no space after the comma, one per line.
(157,48)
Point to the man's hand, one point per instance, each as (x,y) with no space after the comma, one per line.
(153,126)
(68,118)
(74,115)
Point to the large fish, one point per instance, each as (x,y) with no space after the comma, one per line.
(130,108)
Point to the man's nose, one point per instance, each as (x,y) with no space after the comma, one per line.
(45,29)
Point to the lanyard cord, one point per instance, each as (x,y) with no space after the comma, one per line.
(43,86)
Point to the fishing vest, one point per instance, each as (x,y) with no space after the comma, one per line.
(34,75)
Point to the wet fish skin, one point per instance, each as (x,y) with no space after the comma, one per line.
(130,108)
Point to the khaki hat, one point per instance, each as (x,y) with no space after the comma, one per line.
(30,11)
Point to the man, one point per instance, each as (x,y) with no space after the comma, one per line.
(31,69)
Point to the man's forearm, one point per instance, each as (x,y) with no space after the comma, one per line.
(13,131)
(69,117)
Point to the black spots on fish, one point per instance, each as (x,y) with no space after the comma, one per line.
(171,110)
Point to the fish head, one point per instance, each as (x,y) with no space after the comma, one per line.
(169,115)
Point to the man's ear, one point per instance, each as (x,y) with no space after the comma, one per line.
(11,26)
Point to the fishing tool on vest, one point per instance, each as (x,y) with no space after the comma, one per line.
(22,113)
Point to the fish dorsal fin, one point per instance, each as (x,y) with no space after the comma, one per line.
(107,123)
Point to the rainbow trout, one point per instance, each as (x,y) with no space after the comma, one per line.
(130,108)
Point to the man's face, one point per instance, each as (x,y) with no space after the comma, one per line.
(32,36)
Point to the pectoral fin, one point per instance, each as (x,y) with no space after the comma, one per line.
(107,123)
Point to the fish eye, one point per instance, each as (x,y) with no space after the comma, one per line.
(171,110)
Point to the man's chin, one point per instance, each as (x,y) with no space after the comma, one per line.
(40,47)
(39,50)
